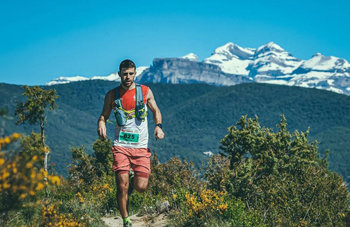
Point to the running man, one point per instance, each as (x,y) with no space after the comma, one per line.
(130,146)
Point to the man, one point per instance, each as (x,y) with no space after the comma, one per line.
(130,146)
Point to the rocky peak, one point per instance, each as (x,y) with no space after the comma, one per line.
(191,57)
(231,50)
(269,47)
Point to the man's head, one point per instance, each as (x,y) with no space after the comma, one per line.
(127,72)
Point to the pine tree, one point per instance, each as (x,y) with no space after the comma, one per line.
(33,110)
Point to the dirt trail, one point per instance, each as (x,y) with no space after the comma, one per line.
(159,221)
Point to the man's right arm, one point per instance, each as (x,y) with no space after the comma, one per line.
(106,111)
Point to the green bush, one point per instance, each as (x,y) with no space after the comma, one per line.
(281,176)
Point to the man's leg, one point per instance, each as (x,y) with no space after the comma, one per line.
(122,180)
(140,183)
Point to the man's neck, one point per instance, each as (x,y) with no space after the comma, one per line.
(132,86)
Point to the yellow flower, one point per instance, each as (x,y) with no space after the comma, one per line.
(35,157)
(2,161)
(39,187)
(223,207)
(14,170)
(16,135)
(174,196)
(29,165)
(6,185)
(45,149)
(5,175)
(56,180)
(22,196)
(7,140)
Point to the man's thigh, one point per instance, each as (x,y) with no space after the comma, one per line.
(121,160)
(141,163)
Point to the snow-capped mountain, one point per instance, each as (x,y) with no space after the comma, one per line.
(65,80)
(110,77)
(322,72)
(231,64)
(271,62)
(186,71)
(232,59)
(191,57)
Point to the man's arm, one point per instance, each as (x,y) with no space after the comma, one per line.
(106,111)
(157,116)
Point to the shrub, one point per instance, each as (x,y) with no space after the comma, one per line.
(281,176)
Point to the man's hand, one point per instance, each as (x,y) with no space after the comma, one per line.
(158,133)
(101,130)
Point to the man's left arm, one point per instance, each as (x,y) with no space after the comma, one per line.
(157,116)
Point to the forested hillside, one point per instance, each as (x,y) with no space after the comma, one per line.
(195,117)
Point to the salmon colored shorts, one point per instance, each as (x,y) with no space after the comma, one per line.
(138,158)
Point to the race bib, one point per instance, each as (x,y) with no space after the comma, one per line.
(129,136)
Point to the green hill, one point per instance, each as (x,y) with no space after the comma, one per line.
(195,117)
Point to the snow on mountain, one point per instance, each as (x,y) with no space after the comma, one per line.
(191,57)
(271,46)
(65,80)
(329,73)
(231,64)
(232,59)
(271,61)
(323,63)
(110,77)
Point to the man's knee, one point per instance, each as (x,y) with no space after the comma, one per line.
(122,181)
(140,188)
(123,187)
(140,184)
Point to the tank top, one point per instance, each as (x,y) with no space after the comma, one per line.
(135,132)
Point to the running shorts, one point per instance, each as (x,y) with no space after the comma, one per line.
(136,158)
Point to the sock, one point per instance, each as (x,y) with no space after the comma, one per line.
(127,219)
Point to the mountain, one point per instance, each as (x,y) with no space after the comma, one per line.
(231,64)
(195,117)
(186,71)
(323,72)
(232,59)
(271,64)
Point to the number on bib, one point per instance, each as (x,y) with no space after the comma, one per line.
(129,137)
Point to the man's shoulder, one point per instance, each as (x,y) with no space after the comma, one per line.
(144,86)
(111,93)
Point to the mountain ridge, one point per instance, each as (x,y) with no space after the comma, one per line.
(268,63)
(195,117)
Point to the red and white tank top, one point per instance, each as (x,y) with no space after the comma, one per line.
(135,132)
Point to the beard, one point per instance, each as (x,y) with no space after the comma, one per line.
(127,83)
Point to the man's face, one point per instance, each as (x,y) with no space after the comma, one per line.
(127,76)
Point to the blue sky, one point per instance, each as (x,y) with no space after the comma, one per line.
(42,40)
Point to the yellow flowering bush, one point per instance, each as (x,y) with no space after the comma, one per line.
(206,203)
(51,217)
(20,176)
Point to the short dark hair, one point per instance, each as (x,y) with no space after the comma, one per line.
(126,64)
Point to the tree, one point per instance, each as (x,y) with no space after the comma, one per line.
(281,175)
(104,157)
(33,110)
